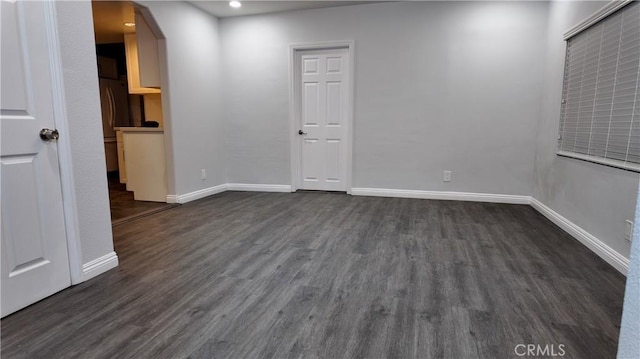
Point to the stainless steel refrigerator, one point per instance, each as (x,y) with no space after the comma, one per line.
(114,100)
(115,105)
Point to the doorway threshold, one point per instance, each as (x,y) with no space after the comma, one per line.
(139,215)
(320,191)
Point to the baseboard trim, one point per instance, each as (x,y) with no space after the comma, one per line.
(195,195)
(258,187)
(206,192)
(615,259)
(99,265)
(172,198)
(441,195)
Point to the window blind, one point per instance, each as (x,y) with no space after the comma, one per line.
(600,114)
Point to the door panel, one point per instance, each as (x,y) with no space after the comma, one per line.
(324,108)
(311,104)
(25,244)
(334,65)
(334,103)
(333,157)
(310,65)
(34,249)
(312,152)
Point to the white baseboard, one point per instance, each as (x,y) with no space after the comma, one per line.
(172,198)
(99,265)
(192,196)
(615,259)
(258,187)
(440,195)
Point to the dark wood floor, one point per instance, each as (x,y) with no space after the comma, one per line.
(124,208)
(317,275)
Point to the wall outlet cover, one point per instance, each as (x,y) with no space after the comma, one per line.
(628,230)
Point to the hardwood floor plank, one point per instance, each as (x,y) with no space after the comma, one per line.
(323,275)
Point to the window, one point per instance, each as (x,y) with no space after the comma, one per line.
(600,115)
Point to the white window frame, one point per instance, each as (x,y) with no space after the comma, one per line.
(599,15)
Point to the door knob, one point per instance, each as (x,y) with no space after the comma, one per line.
(301,133)
(49,135)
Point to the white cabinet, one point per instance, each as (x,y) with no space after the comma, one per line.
(148,58)
(145,165)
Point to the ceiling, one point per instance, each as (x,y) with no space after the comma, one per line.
(109,18)
(222,8)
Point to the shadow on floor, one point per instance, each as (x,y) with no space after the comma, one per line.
(124,208)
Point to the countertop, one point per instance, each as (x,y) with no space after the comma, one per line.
(139,129)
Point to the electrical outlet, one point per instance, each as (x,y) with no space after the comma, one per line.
(628,230)
(447,176)
(204,174)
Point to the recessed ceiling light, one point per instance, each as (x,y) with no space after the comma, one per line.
(235,4)
(129,24)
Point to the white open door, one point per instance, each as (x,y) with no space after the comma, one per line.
(324,109)
(34,247)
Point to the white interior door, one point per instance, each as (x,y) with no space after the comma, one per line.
(324,108)
(34,248)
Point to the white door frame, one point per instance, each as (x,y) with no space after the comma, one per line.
(65,152)
(294,111)
(172,195)
(61,122)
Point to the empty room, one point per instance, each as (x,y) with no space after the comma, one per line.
(320,179)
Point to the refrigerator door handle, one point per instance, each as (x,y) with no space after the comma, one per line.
(112,107)
(109,106)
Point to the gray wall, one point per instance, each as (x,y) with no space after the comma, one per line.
(595,197)
(439,86)
(191,95)
(75,26)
